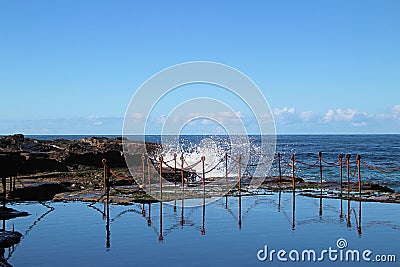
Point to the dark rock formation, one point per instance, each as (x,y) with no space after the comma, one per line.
(20,155)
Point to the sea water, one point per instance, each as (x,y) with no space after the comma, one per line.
(229,232)
(382,151)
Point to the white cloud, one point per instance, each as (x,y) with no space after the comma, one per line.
(339,115)
(284,115)
(287,120)
(308,116)
(396,111)
(283,111)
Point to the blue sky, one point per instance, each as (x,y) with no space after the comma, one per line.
(71,67)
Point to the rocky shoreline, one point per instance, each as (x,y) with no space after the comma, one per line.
(71,170)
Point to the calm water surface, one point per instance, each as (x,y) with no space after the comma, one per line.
(228,232)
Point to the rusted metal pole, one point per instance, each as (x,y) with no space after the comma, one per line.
(239,172)
(148,174)
(293,178)
(203,217)
(341,184)
(226,167)
(161,161)
(182,173)
(348,171)
(358,158)
(143,158)
(175,168)
(341,172)
(104,161)
(175,179)
(320,166)
(279,167)
(226,176)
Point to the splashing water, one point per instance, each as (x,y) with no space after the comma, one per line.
(215,149)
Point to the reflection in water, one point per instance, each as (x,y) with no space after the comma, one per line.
(341,206)
(149,215)
(170,221)
(348,210)
(240,210)
(279,200)
(160,237)
(320,203)
(293,209)
(143,211)
(108,232)
(181,220)
(11,248)
(203,217)
(359,218)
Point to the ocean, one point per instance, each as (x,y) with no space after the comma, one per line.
(382,151)
(231,231)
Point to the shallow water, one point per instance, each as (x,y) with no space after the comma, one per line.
(218,234)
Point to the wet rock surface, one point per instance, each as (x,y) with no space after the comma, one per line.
(20,155)
(72,170)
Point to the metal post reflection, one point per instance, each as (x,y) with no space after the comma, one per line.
(279,200)
(293,209)
(182,221)
(149,215)
(240,210)
(348,210)
(359,218)
(143,211)
(203,217)
(160,237)
(108,232)
(320,203)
